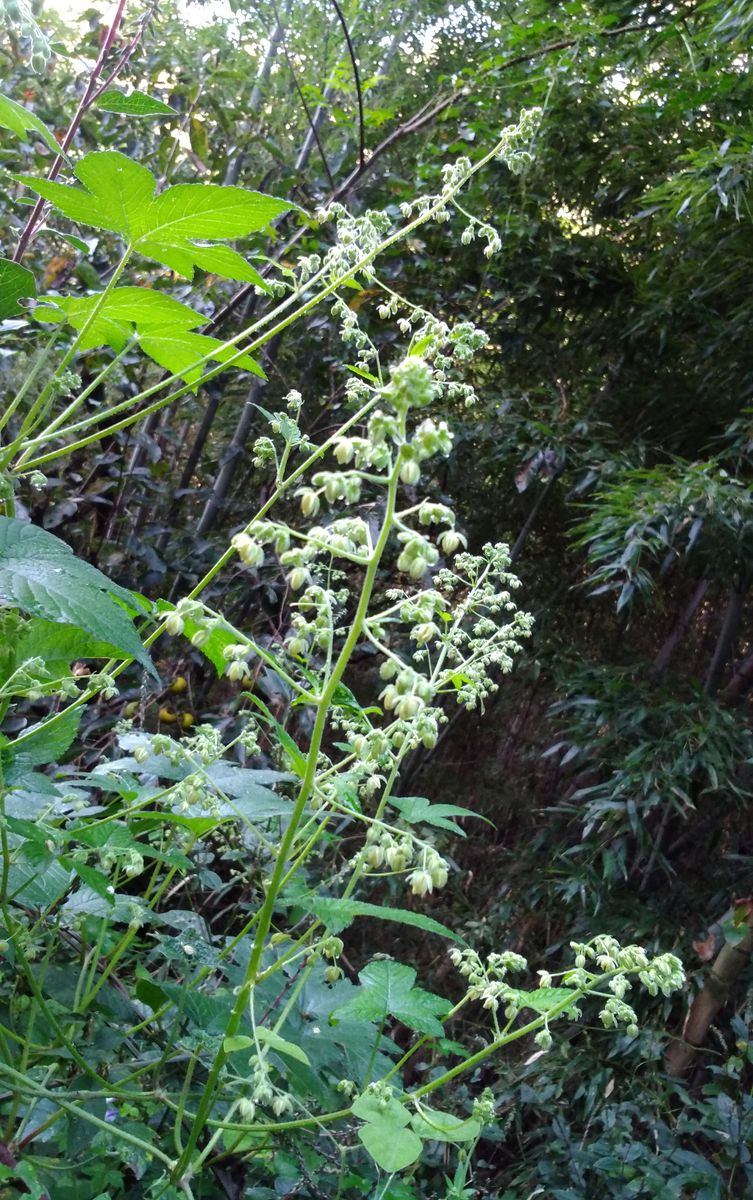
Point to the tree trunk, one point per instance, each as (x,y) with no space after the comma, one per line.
(679,629)
(725,643)
(729,964)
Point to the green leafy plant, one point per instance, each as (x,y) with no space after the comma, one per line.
(174,1046)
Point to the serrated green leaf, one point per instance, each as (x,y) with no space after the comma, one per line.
(135,104)
(16,283)
(125,308)
(249,799)
(543,1000)
(59,645)
(38,885)
(183,352)
(208,1013)
(95,880)
(20,121)
(339,914)
(222,260)
(40,575)
(164,327)
(387,990)
(417,809)
(41,744)
(119,195)
(392,1149)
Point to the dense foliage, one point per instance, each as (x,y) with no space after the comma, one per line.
(375,570)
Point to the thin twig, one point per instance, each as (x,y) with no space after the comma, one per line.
(88,98)
(425,116)
(311,120)
(357,80)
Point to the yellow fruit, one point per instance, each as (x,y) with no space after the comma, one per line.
(178,685)
(167,716)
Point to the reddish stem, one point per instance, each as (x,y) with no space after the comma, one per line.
(84,104)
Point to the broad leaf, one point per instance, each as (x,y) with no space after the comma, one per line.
(20,121)
(269,1038)
(392,1149)
(94,880)
(118,195)
(369,1108)
(40,575)
(249,799)
(42,744)
(164,327)
(417,809)
(222,260)
(16,283)
(339,914)
(135,104)
(59,645)
(38,885)
(444,1127)
(387,990)
(543,1000)
(182,352)
(125,309)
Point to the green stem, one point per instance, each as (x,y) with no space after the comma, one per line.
(26,1085)
(48,391)
(29,380)
(213,571)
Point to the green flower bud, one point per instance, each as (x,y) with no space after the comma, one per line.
(174,624)
(344,451)
(309,504)
(410,472)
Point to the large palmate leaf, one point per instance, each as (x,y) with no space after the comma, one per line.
(16,283)
(417,809)
(118,195)
(20,121)
(387,990)
(40,575)
(164,327)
